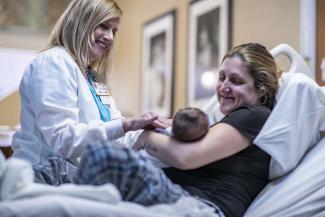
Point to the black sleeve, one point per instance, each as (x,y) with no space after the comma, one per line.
(248,120)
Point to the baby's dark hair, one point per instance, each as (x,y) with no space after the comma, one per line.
(190,124)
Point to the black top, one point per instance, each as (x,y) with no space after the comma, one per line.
(231,183)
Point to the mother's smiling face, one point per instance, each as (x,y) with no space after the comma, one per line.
(235,85)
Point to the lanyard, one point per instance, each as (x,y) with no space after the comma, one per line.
(101,94)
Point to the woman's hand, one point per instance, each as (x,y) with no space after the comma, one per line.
(148,120)
(142,121)
(162,122)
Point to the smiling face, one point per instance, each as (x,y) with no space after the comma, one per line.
(235,86)
(104,36)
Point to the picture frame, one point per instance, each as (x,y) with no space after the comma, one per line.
(158,64)
(209,40)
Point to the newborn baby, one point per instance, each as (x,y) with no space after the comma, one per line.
(190,124)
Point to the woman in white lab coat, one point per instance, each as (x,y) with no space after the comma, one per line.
(66,102)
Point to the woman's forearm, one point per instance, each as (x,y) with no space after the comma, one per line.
(168,150)
(220,142)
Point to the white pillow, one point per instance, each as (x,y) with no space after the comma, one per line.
(293,126)
(300,193)
(2,164)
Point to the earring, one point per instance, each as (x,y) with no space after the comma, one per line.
(264,100)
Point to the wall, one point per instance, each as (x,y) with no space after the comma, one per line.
(128,58)
(267,22)
(10,106)
(264,21)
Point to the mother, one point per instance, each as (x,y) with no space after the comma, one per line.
(224,169)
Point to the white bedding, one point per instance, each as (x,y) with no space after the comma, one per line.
(300,105)
(294,124)
(21,197)
(291,136)
(300,194)
(64,206)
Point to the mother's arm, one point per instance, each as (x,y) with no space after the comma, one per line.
(221,141)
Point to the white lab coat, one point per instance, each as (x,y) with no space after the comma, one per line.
(59,116)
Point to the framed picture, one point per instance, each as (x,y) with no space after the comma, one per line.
(208,42)
(158,64)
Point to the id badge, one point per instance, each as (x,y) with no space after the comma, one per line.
(105,100)
(101,89)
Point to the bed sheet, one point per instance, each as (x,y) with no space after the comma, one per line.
(65,206)
(20,196)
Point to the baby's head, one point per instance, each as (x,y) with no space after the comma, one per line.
(190,124)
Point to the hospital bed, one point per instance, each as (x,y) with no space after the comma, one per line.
(291,136)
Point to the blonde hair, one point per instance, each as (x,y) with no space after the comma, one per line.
(75,32)
(263,68)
